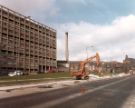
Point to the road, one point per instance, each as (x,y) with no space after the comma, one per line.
(108,93)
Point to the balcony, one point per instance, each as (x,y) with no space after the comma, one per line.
(11,25)
(17,18)
(47,31)
(17,24)
(26,37)
(16,40)
(10,28)
(27,51)
(5,14)
(40,53)
(22,43)
(36,40)
(4,19)
(48,62)
(27,44)
(11,48)
(5,24)
(16,49)
(22,36)
(47,55)
(11,16)
(32,52)
(22,20)
(32,38)
(4,29)
(21,50)
(36,52)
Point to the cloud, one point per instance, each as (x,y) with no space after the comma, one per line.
(31,7)
(76,1)
(112,40)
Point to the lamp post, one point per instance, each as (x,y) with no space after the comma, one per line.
(87,54)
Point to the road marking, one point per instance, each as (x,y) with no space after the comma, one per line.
(73,96)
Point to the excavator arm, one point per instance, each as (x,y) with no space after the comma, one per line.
(83,63)
(81,74)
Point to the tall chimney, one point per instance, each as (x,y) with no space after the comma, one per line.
(66,47)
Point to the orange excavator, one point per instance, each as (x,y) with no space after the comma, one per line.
(82,74)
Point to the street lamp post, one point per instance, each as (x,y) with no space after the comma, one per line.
(87,54)
(92,47)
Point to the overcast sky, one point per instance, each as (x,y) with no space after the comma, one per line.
(106,26)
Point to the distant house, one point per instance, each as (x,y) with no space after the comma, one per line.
(112,66)
(129,63)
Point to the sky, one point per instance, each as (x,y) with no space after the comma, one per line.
(104,26)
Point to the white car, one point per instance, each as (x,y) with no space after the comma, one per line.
(17,72)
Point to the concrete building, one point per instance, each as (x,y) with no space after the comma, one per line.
(30,44)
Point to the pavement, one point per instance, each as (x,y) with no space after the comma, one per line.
(53,83)
(62,78)
(19,90)
(116,92)
(58,83)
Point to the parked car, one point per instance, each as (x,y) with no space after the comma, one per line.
(17,72)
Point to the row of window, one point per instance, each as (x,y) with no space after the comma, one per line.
(26,44)
(36,53)
(32,41)
(6,22)
(25,35)
(22,31)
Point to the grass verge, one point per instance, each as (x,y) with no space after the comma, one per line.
(25,79)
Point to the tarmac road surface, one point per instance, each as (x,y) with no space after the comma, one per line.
(107,93)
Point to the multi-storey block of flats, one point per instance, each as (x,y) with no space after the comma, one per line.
(25,44)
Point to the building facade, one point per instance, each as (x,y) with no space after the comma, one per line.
(29,45)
